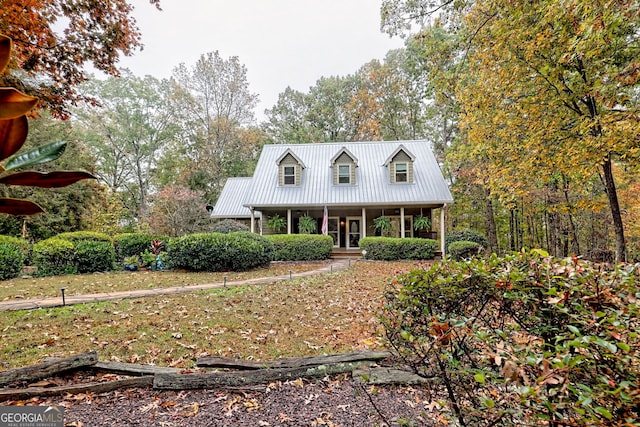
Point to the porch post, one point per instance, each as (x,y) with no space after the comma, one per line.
(442,227)
(288,221)
(253,221)
(402,222)
(363,233)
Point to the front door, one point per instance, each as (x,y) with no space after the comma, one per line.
(353,232)
(333,230)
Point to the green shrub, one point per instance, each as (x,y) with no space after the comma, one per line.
(466,235)
(300,247)
(229,226)
(522,340)
(54,256)
(92,256)
(130,244)
(25,246)
(237,251)
(462,249)
(416,249)
(11,261)
(393,248)
(77,236)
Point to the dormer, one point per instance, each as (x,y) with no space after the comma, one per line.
(289,169)
(344,165)
(400,165)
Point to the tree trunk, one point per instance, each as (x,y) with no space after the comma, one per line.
(98,387)
(612,195)
(48,368)
(223,379)
(490,222)
(296,362)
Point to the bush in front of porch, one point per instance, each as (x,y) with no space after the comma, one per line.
(300,247)
(393,248)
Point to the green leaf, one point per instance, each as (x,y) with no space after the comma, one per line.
(604,412)
(574,330)
(45,180)
(38,155)
(623,346)
(479,377)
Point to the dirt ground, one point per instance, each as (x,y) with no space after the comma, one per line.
(333,402)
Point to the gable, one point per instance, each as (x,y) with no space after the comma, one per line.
(344,166)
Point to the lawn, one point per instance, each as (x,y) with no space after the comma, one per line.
(41,287)
(327,313)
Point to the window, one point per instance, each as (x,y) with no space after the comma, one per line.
(289,175)
(401,172)
(344,174)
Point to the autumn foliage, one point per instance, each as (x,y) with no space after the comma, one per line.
(523,340)
(95,32)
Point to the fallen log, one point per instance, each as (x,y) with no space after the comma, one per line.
(132,369)
(296,362)
(388,376)
(96,387)
(47,368)
(227,379)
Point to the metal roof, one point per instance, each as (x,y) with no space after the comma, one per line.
(229,204)
(372,188)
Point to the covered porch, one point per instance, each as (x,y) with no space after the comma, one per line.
(348,224)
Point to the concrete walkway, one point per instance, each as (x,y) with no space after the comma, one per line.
(30,304)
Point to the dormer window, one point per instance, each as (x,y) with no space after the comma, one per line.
(344,165)
(289,175)
(401,171)
(344,174)
(290,169)
(400,165)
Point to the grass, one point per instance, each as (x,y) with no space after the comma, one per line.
(41,287)
(328,313)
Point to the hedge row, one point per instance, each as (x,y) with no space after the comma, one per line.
(87,252)
(236,251)
(77,252)
(301,247)
(393,248)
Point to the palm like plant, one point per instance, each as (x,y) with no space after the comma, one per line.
(14,106)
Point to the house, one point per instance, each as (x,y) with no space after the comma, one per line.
(350,184)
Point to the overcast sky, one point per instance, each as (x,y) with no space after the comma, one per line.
(281,42)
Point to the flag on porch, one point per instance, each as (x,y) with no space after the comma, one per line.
(325,222)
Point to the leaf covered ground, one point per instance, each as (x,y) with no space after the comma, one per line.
(328,313)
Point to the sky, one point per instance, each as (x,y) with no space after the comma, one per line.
(280,42)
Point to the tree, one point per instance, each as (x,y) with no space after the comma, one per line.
(287,120)
(215,105)
(55,40)
(177,211)
(128,130)
(548,84)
